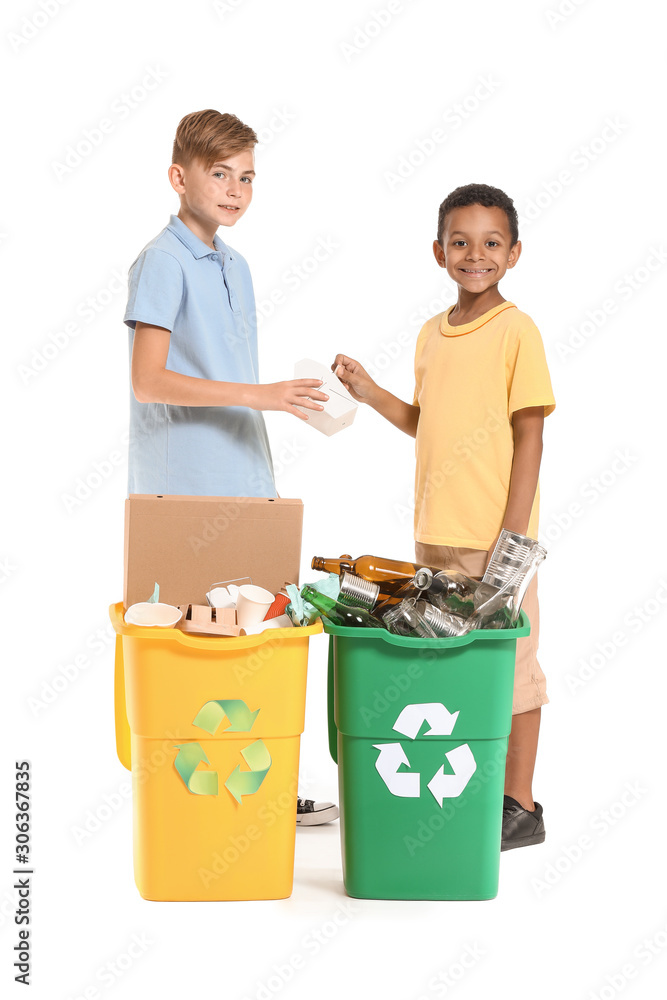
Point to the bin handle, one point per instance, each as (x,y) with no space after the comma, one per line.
(333,731)
(123,737)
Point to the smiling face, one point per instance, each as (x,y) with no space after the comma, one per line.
(475,247)
(217,196)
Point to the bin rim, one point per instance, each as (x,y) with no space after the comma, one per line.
(477,635)
(211,642)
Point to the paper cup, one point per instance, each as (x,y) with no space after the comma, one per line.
(146,613)
(252,604)
(283,621)
(278,607)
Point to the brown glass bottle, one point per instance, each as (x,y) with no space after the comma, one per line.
(368,593)
(375,568)
(407,591)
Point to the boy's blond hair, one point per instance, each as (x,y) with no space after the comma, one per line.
(208,136)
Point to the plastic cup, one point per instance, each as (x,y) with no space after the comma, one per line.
(219,597)
(146,613)
(252,604)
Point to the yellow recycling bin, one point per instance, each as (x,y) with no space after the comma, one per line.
(211,730)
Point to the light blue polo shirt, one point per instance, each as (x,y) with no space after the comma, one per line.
(205,298)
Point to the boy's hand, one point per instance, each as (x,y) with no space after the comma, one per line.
(361,387)
(288,396)
(356,379)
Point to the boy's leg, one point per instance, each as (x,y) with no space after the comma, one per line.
(521,753)
(529,681)
(529,696)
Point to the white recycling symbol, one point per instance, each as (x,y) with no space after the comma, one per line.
(407,784)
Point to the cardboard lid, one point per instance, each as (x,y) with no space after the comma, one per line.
(187,543)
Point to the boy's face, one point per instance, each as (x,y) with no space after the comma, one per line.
(475,247)
(217,196)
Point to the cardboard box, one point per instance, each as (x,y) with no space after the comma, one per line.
(186,543)
(340,408)
(200,619)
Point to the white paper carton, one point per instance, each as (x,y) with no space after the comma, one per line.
(339,410)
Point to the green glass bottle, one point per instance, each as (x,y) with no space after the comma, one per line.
(340,614)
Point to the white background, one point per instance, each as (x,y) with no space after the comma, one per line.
(343,101)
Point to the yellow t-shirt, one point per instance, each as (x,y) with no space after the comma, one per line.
(469,380)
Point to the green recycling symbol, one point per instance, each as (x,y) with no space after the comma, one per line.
(190,755)
(407,784)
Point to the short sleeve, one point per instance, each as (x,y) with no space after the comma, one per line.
(529,383)
(155,290)
(419,347)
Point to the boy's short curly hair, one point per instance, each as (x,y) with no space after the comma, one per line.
(479,194)
(209,135)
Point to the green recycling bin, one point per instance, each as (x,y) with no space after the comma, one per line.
(419,729)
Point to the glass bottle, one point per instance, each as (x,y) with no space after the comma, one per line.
(448,583)
(504,617)
(452,593)
(340,614)
(375,568)
(404,619)
(369,594)
(443,623)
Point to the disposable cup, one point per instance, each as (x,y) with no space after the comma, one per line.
(224,593)
(219,597)
(252,604)
(278,607)
(282,621)
(146,613)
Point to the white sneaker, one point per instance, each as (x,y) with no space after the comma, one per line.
(310,813)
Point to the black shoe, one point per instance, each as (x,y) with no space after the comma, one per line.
(521,827)
(309,813)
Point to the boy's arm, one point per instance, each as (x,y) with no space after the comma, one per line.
(361,386)
(153,382)
(527,425)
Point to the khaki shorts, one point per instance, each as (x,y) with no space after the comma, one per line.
(530,686)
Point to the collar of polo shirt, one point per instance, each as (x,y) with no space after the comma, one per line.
(196,246)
